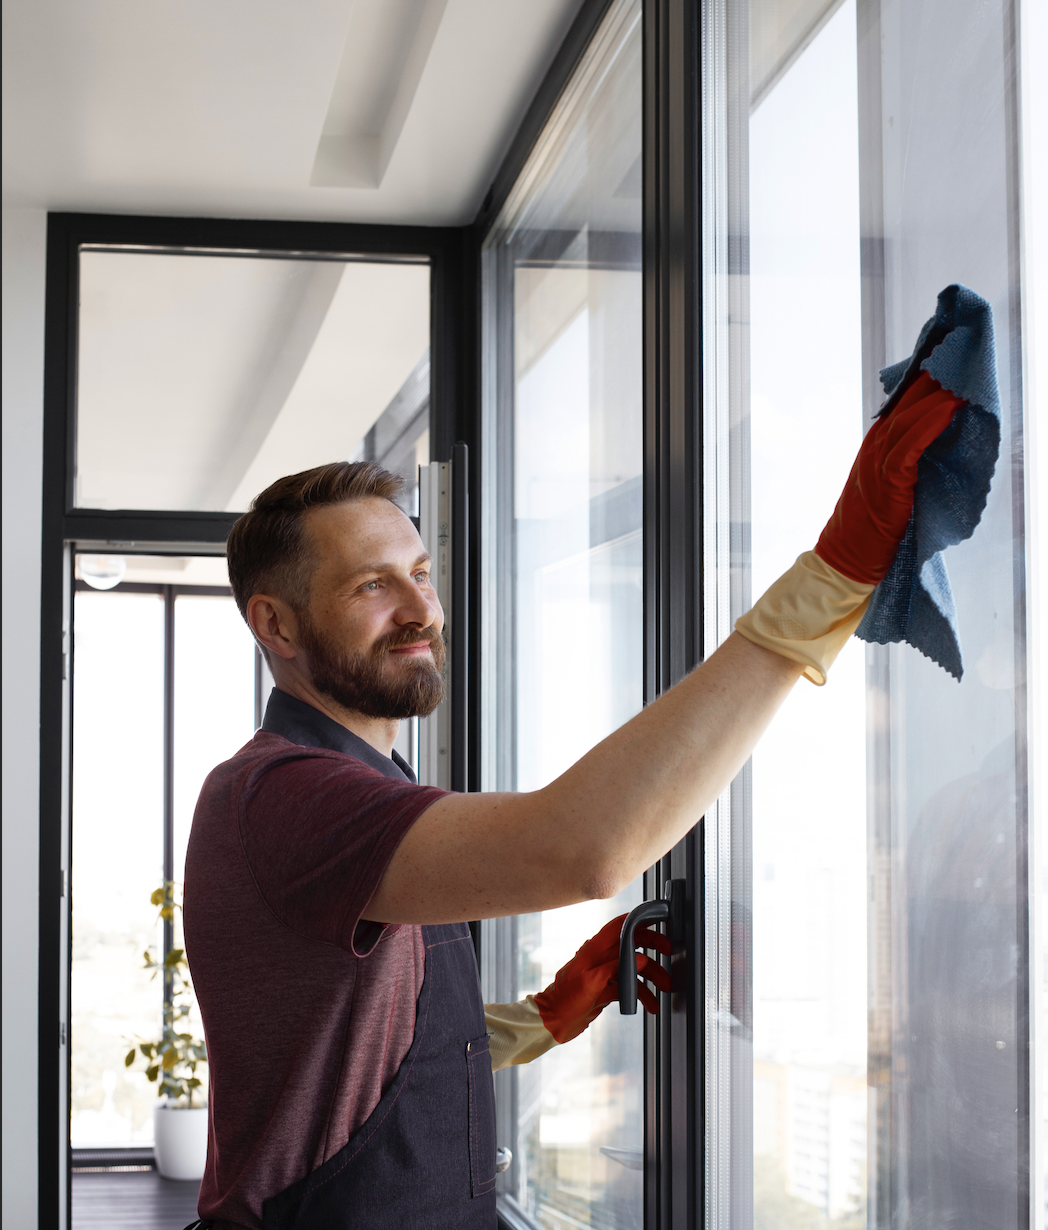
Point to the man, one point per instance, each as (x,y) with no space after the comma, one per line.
(327,894)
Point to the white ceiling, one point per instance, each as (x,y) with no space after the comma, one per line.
(252,108)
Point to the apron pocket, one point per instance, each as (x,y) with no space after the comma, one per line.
(481,1117)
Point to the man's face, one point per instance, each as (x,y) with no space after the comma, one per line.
(371,633)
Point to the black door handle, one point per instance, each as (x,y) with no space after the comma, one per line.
(669,910)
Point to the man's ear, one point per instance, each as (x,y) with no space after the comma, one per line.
(274,624)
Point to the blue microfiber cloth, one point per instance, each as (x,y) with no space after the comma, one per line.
(914,602)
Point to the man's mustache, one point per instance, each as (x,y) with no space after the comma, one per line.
(408,636)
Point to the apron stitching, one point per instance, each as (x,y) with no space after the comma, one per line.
(482,1185)
(457,940)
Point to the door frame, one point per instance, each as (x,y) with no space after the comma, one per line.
(454,417)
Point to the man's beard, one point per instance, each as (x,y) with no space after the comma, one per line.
(359,681)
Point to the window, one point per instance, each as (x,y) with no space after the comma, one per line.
(203,376)
(164,689)
(809,904)
(564,590)
(872,1069)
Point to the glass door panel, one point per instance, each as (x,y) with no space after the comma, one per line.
(214,699)
(564,574)
(162,638)
(118,859)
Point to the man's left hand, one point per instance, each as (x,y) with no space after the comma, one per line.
(589,981)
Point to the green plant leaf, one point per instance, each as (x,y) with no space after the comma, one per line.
(170,1059)
(129,1058)
(151,1072)
(156,896)
(147,1049)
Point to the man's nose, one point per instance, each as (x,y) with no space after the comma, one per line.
(416,606)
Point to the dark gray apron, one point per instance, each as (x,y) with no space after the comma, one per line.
(425,1157)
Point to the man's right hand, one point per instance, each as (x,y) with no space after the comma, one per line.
(861,538)
(809,613)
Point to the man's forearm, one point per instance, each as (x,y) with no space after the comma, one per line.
(597,826)
(640,790)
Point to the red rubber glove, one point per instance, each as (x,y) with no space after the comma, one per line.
(589,981)
(861,538)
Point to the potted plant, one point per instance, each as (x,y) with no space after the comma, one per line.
(180,1119)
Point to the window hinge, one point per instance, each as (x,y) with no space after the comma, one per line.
(61,1033)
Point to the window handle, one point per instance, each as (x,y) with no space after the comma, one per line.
(669,909)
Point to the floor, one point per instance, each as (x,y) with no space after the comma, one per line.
(136,1199)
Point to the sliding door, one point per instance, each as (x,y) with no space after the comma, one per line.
(563,638)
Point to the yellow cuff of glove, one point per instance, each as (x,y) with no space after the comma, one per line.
(807,615)
(517,1033)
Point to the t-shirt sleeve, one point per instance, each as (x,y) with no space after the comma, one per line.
(318,833)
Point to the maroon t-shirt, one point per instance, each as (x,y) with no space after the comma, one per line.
(308,1011)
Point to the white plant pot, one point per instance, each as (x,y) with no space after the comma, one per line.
(180,1135)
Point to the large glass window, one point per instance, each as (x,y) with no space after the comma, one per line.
(881,975)
(164,689)
(564,642)
(809,828)
(203,376)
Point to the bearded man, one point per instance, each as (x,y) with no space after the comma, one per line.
(327,894)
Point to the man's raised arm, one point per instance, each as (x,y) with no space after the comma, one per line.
(632,797)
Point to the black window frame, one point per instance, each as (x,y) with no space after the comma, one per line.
(674,568)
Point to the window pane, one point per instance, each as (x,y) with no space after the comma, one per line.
(118,802)
(118,859)
(949,815)
(890,964)
(214,699)
(809,824)
(203,377)
(564,285)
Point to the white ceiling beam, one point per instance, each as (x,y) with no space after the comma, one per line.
(359,137)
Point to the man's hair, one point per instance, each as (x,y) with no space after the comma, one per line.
(267,550)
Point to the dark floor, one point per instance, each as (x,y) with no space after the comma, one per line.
(138,1200)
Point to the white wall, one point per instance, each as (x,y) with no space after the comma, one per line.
(24,233)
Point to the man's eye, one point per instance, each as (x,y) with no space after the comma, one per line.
(372,585)
(422,576)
